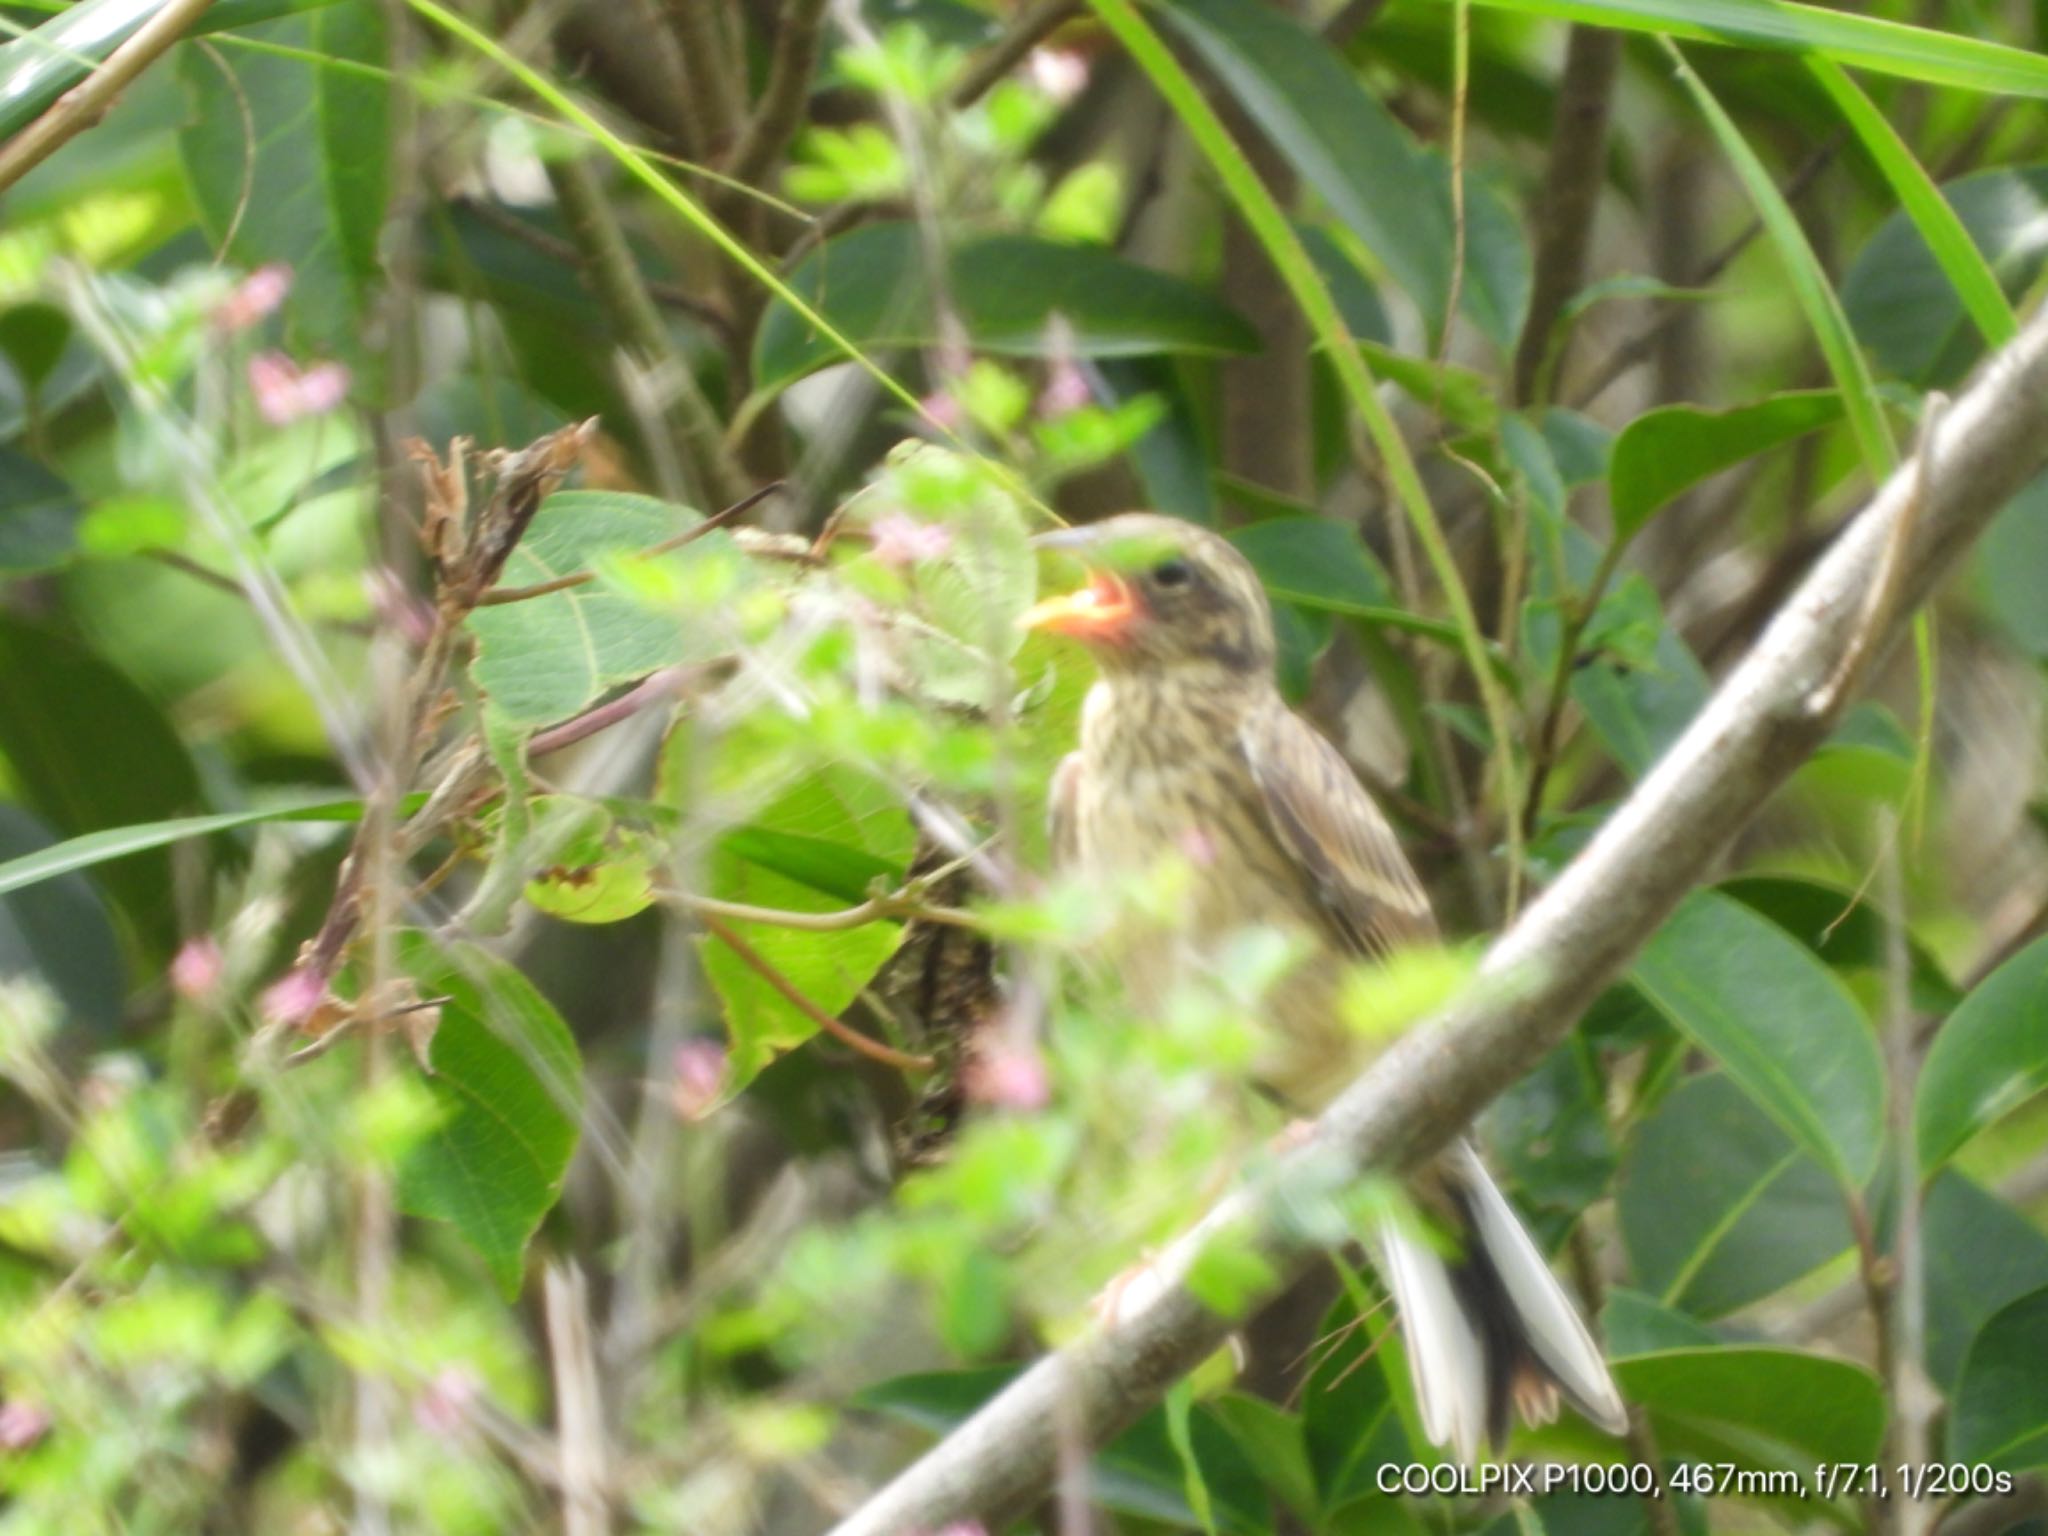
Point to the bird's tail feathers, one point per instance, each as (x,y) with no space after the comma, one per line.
(1490,1332)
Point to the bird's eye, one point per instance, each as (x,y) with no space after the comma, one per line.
(1172,573)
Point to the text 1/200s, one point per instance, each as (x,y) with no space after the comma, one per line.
(1702,1479)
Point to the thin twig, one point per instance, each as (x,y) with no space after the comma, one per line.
(579,1407)
(780,111)
(761,966)
(501,595)
(1571,192)
(1033,25)
(87,102)
(711,107)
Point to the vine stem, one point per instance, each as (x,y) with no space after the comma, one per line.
(845,1034)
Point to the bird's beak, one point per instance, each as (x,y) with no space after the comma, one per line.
(1098,610)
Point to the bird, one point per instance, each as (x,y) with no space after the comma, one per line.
(1186,742)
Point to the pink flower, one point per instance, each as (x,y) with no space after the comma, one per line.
(22,1424)
(1197,846)
(900,539)
(1066,386)
(196,969)
(285,393)
(1059,72)
(254,297)
(442,1408)
(1004,1075)
(699,1068)
(293,997)
(941,410)
(396,608)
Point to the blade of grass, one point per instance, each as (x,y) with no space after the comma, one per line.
(1961,262)
(1861,42)
(1270,226)
(1816,296)
(92,848)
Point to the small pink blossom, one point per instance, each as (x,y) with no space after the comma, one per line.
(286,393)
(1066,386)
(1059,72)
(443,1406)
(1004,1075)
(1197,846)
(22,1424)
(254,297)
(396,608)
(293,998)
(699,1078)
(196,969)
(900,539)
(941,410)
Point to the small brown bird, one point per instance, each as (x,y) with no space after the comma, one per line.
(1186,742)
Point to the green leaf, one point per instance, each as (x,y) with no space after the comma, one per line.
(833,805)
(2011,566)
(1873,43)
(1340,140)
(1845,931)
(1638,706)
(1349,1422)
(1990,1057)
(90,752)
(1665,451)
(39,515)
(1271,1439)
(1979,1254)
(1713,1233)
(1357,300)
(2000,1414)
(1903,300)
(94,848)
(598,870)
(1817,298)
(872,286)
(1782,1025)
(1461,396)
(288,163)
(37,68)
(1969,275)
(1139,1473)
(509,1083)
(1549,1132)
(61,935)
(1635,1324)
(550,657)
(1756,1406)
(1316,562)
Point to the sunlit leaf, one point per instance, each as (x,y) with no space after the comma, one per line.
(1990,1057)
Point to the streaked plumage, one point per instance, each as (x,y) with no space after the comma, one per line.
(1186,743)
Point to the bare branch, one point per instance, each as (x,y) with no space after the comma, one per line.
(1536,979)
(87,102)
(780,111)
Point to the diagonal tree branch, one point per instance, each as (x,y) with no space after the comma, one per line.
(1538,977)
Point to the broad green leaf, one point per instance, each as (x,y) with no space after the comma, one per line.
(1316,562)
(1463,397)
(509,1083)
(1709,1234)
(1393,196)
(2011,566)
(1350,1425)
(1549,1135)
(2000,1413)
(1782,1025)
(1989,1057)
(597,869)
(1635,1324)
(547,658)
(39,515)
(288,163)
(1581,445)
(1172,459)
(1637,680)
(90,752)
(1904,303)
(1756,1406)
(1665,451)
(37,68)
(1138,1474)
(1874,43)
(1969,275)
(1357,300)
(1979,1254)
(832,805)
(1810,285)
(1271,1439)
(61,934)
(1005,289)
(94,848)
(1844,930)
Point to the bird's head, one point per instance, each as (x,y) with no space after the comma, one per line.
(1161,595)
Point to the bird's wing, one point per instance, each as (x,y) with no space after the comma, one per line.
(1329,826)
(1062,814)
